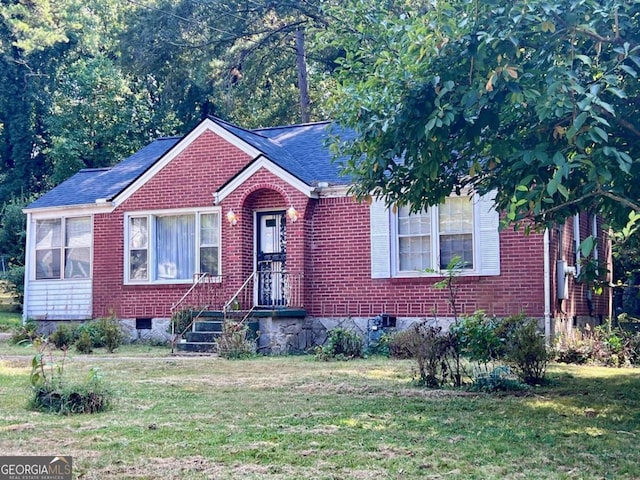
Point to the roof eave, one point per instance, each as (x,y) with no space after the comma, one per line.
(263,162)
(100,206)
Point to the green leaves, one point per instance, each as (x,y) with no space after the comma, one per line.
(559,123)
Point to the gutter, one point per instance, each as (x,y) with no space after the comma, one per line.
(547,289)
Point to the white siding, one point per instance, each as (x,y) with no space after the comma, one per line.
(59,300)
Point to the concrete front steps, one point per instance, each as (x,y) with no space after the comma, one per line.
(208,326)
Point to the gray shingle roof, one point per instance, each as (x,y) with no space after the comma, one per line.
(89,185)
(301,150)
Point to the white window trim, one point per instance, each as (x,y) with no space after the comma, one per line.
(63,229)
(435,270)
(384,243)
(151,215)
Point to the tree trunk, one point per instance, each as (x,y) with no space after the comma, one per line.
(301,62)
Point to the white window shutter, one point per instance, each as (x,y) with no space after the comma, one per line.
(380,240)
(488,236)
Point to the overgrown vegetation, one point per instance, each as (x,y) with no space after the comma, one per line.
(85,337)
(501,352)
(235,341)
(614,347)
(52,393)
(341,344)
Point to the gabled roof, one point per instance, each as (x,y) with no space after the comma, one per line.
(300,150)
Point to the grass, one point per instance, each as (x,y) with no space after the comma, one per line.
(9,319)
(293,417)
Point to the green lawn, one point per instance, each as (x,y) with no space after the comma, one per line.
(294,417)
(9,319)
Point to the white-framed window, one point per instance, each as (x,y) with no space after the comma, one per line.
(430,239)
(171,246)
(423,243)
(63,248)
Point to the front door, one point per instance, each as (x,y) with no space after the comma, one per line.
(271,255)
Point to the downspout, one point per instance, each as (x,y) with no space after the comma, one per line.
(547,289)
(28,255)
(576,239)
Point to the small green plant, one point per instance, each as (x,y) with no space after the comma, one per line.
(498,379)
(341,344)
(382,347)
(84,344)
(24,333)
(234,342)
(527,353)
(64,336)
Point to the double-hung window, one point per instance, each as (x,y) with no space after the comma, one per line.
(409,244)
(172,246)
(433,237)
(63,248)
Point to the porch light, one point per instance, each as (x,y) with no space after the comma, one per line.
(231,218)
(292,214)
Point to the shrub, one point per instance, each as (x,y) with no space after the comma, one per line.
(92,396)
(479,338)
(234,342)
(24,333)
(341,344)
(432,350)
(181,320)
(111,333)
(52,394)
(401,344)
(84,344)
(64,336)
(93,331)
(599,345)
(527,353)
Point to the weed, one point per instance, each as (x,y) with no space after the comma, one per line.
(341,344)
(52,394)
(234,342)
(24,333)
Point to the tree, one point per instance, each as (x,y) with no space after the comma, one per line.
(535,99)
(240,60)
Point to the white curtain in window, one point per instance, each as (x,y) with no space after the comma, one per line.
(175,247)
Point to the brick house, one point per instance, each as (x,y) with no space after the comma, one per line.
(261,221)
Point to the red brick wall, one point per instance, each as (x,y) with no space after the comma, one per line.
(329,243)
(189,180)
(342,284)
(563,247)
